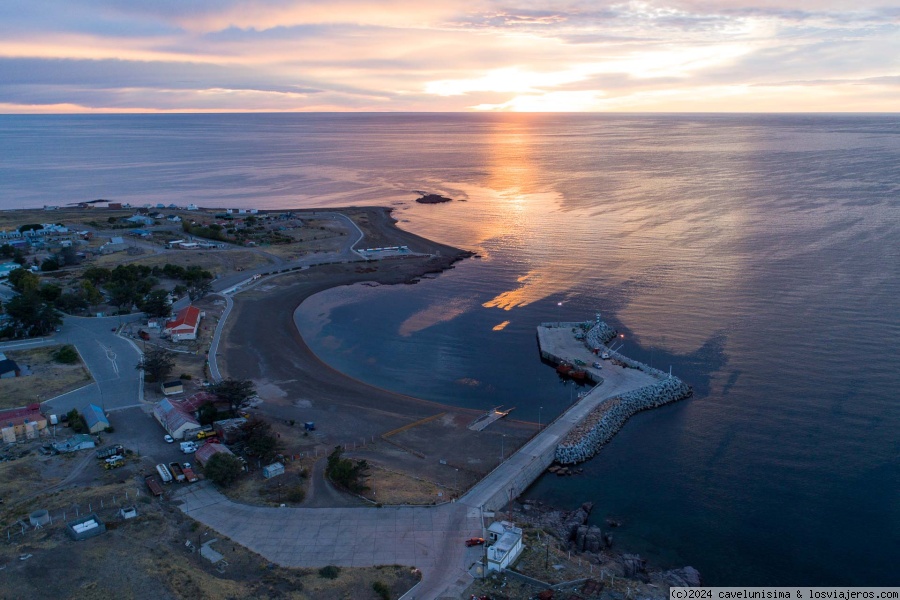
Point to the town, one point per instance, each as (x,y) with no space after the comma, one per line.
(126,385)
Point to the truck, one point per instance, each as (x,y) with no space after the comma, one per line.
(114,462)
(110,451)
(153,485)
(188,447)
(164,474)
(189,474)
(176,471)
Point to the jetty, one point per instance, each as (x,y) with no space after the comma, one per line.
(623,387)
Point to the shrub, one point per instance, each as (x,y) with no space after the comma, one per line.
(66,354)
(295,494)
(329,572)
(187,376)
(382,590)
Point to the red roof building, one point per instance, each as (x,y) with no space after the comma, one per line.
(185,324)
(21,422)
(207,451)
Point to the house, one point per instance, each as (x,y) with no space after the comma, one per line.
(140,220)
(115,244)
(172,387)
(506,547)
(273,470)
(185,324)
(174,419)
(114,205)
(174,218)
(141,233)
(207,451)
(81,441)
(193,207)
(94,418)
(9,369)
(22,422)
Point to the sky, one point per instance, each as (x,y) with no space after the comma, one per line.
(63,56)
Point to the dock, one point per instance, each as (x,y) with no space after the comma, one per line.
(491,416)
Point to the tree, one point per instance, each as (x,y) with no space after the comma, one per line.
(76,421)
(156,304)
(207,414)
(345,473)
(223,468)
(97,275)
(70,303)
(122,295)
(49,264)
(234,391)
(30,227)
(199,289)
(24,281)
(90,293)
(31,316)
(261,440)
(157,364)
(67,256)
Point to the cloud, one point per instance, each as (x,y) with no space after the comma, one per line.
(462,55)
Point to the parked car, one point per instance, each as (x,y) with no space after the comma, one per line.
(169,439)
(474,542)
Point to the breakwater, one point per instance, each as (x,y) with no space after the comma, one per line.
(586,438)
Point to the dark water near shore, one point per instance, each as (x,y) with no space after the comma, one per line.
(759,256)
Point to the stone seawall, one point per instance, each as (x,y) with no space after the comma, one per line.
(585,440)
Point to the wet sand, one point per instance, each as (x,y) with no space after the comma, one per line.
(261,342)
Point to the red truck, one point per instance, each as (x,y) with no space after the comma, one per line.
(153,485)
(177,472)
(189,474)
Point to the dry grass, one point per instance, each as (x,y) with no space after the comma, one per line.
(49,379)
(390,487)
(254,489)
(146,558)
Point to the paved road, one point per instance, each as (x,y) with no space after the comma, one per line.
(428,538)
(110,359)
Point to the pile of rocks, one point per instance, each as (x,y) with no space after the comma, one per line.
(599,334)
(585,440)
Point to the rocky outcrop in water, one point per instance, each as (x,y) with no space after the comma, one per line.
(433,199)
(585,439)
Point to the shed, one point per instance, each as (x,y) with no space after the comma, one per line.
(172,387)
(207,451)
(174,419)
(85,527)
(80,441)
(95,418)
(273,470)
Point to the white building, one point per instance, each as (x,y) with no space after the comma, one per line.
(506,546)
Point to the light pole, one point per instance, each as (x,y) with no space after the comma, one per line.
(540,408)
(502,439)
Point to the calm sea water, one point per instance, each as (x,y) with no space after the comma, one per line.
(759,256)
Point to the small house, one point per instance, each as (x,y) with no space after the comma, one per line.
(172,387)
(174,419)
(95,419)
(273,470)
(80,441)
(506,547)
(9,369)
(19,422)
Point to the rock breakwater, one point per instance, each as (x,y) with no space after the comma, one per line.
(586,439)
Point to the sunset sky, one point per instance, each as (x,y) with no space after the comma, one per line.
(437,55)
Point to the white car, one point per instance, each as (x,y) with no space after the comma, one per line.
(169,439)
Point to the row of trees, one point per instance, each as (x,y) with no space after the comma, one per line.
(32,312)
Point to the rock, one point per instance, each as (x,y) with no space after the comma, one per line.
(433,199)
(633,565)
(684,577)
(613,523)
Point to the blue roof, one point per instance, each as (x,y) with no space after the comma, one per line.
(93,414)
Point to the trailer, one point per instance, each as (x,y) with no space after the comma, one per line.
(189,474)
(177,473)
(153,485)
(164,474)
(110,451)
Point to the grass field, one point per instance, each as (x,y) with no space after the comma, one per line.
(48,379)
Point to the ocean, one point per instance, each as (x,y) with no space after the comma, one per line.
(758,256)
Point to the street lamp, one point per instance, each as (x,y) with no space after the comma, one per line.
(502,439)
(540,408)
